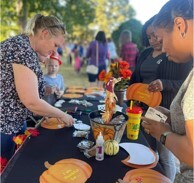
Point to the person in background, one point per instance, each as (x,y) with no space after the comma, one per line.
(68,51)
(60,51)
(85,47)
(174,28)
(81,50)
(54,82)
(99,44)
(112,50)
(22,84)
(77,61)
(128,50)
(153,67)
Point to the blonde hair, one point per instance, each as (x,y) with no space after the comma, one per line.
(39,21)
(125,37)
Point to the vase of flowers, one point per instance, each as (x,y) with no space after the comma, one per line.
(119,70)
(120,96)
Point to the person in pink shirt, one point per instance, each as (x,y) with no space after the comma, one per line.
(129,50)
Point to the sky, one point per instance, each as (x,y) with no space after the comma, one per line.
(145,9)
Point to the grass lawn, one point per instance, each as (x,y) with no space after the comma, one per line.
(71,78)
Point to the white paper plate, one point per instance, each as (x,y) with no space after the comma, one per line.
(139,154)
(81,126)
(57,105)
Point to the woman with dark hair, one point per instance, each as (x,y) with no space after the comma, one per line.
(154,68)
(144,38)
(97,53)
(174,27)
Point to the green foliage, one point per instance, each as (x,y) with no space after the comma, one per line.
(110,14)
(83,18)
(8,19)
(77,16)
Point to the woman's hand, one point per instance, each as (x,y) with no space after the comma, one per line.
(67,119)
(49,90)
(59,93)
(155,86)
(155,128)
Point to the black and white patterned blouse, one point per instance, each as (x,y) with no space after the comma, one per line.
(16,50)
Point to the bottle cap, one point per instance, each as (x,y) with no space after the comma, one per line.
(134,110)
(100,137)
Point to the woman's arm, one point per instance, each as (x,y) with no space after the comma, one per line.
(182,146)
(27,88)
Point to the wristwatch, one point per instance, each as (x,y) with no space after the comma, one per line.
(163,137)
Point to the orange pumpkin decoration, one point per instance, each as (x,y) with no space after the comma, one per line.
(139,92)
(145,175)
(75,91)
(52,123)
(72,95)
(66,171)
(107,133)
(76,87)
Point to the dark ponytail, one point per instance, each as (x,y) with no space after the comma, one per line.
(171,10)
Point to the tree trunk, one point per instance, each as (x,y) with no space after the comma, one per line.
(22,11)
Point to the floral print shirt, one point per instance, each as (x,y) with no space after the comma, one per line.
(16,50)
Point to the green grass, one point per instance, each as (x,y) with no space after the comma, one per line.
(71,78)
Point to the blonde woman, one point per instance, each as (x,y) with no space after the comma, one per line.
(128,50)
(22,79)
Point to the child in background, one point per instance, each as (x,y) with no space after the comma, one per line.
(54,82)
(77,64)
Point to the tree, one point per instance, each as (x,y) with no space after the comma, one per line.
(15,13)
(110,14)
(77,16)
(83,18)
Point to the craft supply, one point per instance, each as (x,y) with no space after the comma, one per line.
(52,123)
(85,144)
(81,126)
(67,170)
(156,115)
(100,147)
(139,92)
(83,134)
(90,152)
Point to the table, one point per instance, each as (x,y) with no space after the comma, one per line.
(53,145)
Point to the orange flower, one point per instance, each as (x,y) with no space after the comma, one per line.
(125,73)
(102,75)
(119,69)
(19,139)
(123,65)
